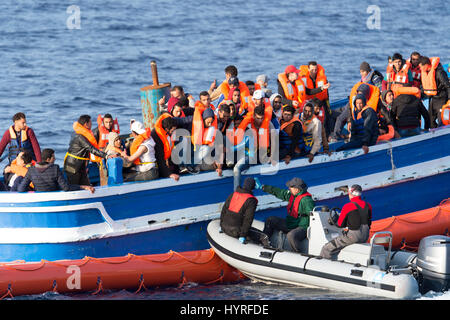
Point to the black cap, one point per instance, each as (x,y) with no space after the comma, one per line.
(364,66)
(397,56)
(296,183)
(249,184)
(234,81)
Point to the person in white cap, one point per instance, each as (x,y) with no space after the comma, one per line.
(355,218)
(146,168)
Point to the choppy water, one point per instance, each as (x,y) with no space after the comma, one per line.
(54,74)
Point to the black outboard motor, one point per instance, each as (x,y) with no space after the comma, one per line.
(433,263)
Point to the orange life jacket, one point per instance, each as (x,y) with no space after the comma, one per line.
(287,123)
(407,90)
(445,113)
(79,129)
(162,134)
(251,104)
(373,99)
(359,115)
(103,132)
(429,77)
(225,88)
(292,92)
(387,136)
(416,73)
(262,135)
(237,201)
(200,105)
(397,79)
(321,79)
(199,135)
(138,141)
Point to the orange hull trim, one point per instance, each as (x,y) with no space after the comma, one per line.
(127,272)
(409,228)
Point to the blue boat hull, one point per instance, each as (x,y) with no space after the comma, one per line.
(157,216)
(387,201)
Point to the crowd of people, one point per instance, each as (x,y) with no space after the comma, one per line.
(236,124)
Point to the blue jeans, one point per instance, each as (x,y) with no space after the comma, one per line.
(241,165)
(409,132)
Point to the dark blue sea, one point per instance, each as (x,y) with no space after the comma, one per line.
(58,64)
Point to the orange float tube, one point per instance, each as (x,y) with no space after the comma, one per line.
(136,272)
(409,228)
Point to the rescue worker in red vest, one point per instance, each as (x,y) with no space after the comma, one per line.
(398,73)
(105,125)
(238,211)
(415,69)
(300,204)
(355,218)
(436,85)
(20,136)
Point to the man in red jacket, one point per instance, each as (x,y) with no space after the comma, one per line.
(355,218)
(20,136)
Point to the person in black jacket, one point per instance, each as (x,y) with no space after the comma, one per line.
(442,95)
(167,169)
(364,123)
(47,176)
(77,157)
(407,110)
(238,211)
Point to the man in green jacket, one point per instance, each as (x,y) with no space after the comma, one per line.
(300,204)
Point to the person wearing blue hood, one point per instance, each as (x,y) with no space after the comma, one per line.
(364,126)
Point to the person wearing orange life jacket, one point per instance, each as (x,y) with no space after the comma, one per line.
(239,100)
(398,73)
(253,135)
(105,125)
(19,168)
(415,69)
(316,83)
(82,148)
(291,87)
(364,126)
(291,135)
(238,211)
(223,89)
(146,167)
(203,135)
(436,85)
(259,99)
(300,204)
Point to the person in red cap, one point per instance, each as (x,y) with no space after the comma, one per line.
(355,218)
(292,88)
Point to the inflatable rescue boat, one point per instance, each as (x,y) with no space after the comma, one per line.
(364,268)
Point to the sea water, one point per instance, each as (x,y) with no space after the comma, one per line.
(62,59)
